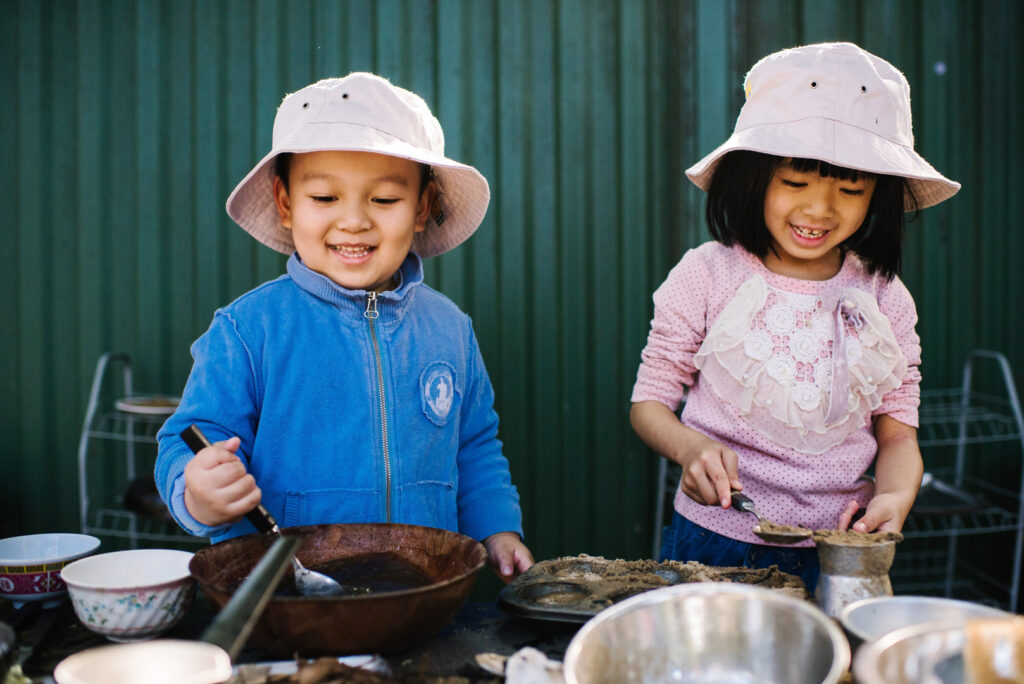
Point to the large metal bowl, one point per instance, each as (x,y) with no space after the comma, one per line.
(872,618)
(928,652)
(934,652)
(378,622)
(713,632)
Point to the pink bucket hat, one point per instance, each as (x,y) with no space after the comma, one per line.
(837,103)
(365,113)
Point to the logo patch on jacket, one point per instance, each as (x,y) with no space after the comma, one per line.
(437,386)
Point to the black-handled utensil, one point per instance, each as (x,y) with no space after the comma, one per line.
(260,517)
(308,582)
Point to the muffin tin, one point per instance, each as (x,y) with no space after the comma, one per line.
(574,589)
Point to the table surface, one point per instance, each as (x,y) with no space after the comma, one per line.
(478,627)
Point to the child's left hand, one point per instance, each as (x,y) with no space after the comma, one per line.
(507,555)
(885,513)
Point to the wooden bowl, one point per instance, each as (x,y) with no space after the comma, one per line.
(395,616)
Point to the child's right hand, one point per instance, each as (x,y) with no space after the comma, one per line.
(218,488)
(710,472)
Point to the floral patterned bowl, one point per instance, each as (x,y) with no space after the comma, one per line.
(131,595)
(30,565)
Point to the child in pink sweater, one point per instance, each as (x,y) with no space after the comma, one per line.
(791,334)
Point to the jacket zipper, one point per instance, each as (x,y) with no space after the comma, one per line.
(371,315)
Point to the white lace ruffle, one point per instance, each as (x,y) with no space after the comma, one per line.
(746,367)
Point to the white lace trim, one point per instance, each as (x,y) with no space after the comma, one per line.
(769,354)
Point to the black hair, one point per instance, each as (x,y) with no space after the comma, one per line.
(735,208)
(283,163)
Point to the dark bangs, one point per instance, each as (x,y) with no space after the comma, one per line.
(735,208)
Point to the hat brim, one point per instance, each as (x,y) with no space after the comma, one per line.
(464,199)
(851,147)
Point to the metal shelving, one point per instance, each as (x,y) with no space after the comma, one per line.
(105,515)
(976,505)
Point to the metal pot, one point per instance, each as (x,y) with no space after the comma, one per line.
(851,572)
(379,622)
(708,632)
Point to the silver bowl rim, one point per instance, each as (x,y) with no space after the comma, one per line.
(844,614)
(865,664)
(840,646)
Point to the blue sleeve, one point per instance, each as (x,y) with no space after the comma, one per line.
(222,398)
(488,501)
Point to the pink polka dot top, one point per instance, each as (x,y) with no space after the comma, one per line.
(785,372)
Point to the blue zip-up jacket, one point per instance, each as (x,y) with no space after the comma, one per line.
(343,416)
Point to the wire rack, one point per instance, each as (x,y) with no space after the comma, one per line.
(974,505)
(102,513)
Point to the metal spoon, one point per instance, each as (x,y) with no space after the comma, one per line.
(308,582)
(742,502)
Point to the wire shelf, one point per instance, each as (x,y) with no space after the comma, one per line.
(986,418)
(127,525)
(127,427)
(99,513)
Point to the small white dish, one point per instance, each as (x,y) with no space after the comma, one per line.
(131,595)
(152,405)
(154,662)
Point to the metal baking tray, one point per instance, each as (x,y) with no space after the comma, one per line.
(576,589)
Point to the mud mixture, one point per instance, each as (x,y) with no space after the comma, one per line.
(769,527)
(854,538)
(588,584)
(330,671)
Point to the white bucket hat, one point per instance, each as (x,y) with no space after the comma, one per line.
(833,102)
(365,113)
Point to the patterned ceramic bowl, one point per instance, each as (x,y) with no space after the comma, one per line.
(131,595)
(30,565)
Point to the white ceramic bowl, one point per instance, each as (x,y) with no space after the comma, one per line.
(872,618)
(30,565)
(131,595)
(162,661)
(708,632)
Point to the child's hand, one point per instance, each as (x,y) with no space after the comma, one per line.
(710,470)
(218,489)
(710,473)
(885,513)
(507,555)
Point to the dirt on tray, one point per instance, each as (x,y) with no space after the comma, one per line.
(588,584)
(329,671)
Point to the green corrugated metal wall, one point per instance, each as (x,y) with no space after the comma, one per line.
(127,122)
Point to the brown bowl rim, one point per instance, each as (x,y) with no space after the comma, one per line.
(301,529)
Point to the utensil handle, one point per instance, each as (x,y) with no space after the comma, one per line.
(232,626)
(742,502)
(260,517)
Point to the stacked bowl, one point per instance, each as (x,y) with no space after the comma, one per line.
(30,565)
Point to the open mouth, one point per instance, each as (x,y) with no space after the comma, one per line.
(808,233)
(352,251)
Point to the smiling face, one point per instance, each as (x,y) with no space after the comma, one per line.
(808,216)
(353,215)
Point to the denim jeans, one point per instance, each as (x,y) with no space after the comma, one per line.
(683,540)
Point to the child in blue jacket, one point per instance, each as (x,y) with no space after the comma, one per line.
(347,390)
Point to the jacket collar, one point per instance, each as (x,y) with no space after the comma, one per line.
(390,304)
